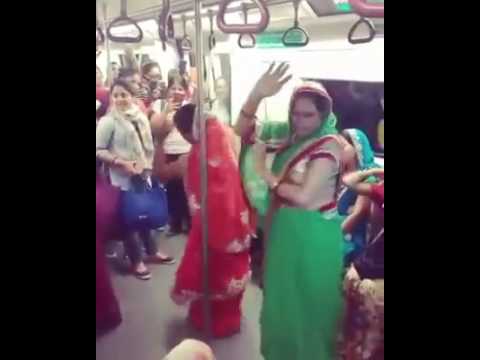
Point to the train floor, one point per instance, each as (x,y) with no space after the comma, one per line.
(153,324)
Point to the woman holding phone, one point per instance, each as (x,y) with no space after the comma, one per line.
(170,146)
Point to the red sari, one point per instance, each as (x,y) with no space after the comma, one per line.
(230,229)
(103,95)
(107,309)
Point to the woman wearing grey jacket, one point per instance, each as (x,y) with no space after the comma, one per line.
(124,142)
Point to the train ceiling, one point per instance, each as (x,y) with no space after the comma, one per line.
(149,9)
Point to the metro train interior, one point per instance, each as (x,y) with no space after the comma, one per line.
(336,43)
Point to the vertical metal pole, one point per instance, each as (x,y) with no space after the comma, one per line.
(200,119)
(107,45)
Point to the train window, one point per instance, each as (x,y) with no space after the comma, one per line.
(359,105)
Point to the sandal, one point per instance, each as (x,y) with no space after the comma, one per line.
(172,233)
(161,260)
(142,275)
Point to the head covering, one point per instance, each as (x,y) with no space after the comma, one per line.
(329,123)
(365,154)
(315,88)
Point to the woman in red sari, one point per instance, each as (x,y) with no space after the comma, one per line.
(229,227)
(107,309)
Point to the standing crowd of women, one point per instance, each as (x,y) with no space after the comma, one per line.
(323,195)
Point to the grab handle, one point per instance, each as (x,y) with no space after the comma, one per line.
(245,28)
(241,38)
(295,29)
(371,32)
(165,24)
(211,38)
(186,42)
(124,20)
(247,41)
(100,37)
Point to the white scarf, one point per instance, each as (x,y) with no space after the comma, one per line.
(134,119)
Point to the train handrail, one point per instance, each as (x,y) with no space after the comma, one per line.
(295,28)
(165,24)
(125,20)
(211,38)
(371,29)
(241,38)
(243,28)
(364,9)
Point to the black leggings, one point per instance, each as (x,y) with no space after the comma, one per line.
(177,201)
(136,241)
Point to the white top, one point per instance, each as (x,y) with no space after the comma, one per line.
(157,106)
(175,144)
(327,176)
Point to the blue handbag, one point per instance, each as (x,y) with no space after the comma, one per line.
(145,206)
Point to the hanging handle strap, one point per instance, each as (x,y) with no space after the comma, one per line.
(186,42)
(211,38)
(123,19)
(165,24)
(246,28)
(371,32)
(295,29)
(246,40)
(100,36)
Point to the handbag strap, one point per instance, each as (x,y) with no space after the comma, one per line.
(139,134)
(147,184)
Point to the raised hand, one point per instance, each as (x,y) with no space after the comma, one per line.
(272,81)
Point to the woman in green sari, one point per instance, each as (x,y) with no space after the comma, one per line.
(302,303)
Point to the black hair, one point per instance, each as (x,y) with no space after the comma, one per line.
(146,68)
(178,80)
(173,73)
(347,137)
(122,83)
(127,72)
(183,118)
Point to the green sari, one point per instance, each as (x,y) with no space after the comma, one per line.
(302,303)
